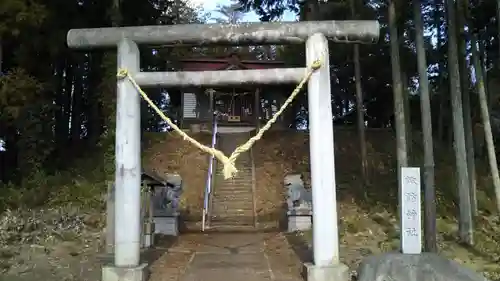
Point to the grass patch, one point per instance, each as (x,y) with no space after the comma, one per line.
(368,214)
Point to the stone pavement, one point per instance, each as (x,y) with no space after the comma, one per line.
(226,256)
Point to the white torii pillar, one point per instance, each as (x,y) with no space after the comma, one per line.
(326,264)
(128,226)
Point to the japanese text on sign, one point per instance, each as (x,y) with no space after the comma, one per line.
(411,229)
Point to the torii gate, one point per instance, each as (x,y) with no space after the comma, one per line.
(314,34)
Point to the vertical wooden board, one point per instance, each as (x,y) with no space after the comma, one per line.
(411,225)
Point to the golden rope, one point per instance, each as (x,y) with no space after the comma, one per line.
(228,162)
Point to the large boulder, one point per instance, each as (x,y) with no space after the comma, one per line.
(419,267)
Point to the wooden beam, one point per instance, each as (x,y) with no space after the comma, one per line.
(226,34)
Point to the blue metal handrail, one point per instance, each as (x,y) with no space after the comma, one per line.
(208,186)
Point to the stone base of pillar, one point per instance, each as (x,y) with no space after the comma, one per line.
(339,272)
(112,273)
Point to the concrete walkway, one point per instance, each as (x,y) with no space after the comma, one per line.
(226,256)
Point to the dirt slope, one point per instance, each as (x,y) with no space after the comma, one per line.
(280,153)
(169,153)
(368,222)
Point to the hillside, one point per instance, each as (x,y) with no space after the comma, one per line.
(68,228)
(368,221)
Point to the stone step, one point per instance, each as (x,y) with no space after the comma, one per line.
(232,205)
(232,213)
(224,207)
(234,183)
(242,158)
(232,227)
(240,162)
(243,173)
(235,197)
(220,178)
(227,197)
(233,192)
(223,227)
(218,204)
(240,175)
(232,217)
(235,222)
(241,185)
(232,201)
(238,186)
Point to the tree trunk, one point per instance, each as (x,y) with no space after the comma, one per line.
(359,106)
(116,15)
(397,88)
(484,60)
(76,108)
(485,116)
(442,93)
(1,56)
(462,5)
(93,107)
(58,92)
(425,105)
(465,219)
(63,101)
(406,100)
(498,32)
(399,108)
(69,88)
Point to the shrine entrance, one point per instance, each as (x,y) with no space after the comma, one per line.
(234,107)
(236,263)
(237,106)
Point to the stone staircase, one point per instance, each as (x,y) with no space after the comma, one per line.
(232,202)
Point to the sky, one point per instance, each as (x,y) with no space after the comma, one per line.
(211,5)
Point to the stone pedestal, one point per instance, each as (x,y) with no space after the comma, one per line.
(166,202)
(299,220)
(299,203)
(195,128)
(168,225)
(148,238)
(112,273)
(338,272)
